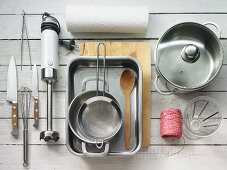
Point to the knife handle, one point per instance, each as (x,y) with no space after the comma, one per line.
(15,115)
(36,112)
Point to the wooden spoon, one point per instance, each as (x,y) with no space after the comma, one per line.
(127,84)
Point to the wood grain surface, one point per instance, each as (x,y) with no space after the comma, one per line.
(15,116)
(36,111)
(127,82)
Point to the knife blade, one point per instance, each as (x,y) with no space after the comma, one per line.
(35,95)
(12,95)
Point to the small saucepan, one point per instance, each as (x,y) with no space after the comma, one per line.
(188,57)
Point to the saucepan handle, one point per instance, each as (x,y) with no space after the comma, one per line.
(101,154)
(93,78)
(157,88)
(216,26)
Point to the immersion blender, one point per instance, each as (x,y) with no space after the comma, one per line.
(50,29)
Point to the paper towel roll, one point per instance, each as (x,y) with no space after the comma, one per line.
(118,19)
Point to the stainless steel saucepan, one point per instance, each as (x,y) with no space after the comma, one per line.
(188,57)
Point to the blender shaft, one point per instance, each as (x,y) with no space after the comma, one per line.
(49,105)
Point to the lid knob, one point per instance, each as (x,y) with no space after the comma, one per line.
(190,53)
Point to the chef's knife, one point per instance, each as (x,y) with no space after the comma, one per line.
(35,95)
(12,95)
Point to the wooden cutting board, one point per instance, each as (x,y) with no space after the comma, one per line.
(142,52)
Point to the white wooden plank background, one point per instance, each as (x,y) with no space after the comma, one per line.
(156,6)
(207,153)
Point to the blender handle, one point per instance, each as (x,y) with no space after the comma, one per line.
(101,154)
(94,78)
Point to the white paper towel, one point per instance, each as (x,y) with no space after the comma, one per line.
(118,19)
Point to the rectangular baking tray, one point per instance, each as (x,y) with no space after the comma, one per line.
(82,69)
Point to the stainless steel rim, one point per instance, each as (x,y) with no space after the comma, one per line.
(69,98)
(92,106)
(159,73)
(116,106)
(82,138)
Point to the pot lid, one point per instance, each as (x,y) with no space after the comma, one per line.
(188,55)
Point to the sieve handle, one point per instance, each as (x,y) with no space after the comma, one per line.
(101,154)
(104,68)
(94,78)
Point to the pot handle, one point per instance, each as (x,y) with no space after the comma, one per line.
(93,78)
(216,26)
(101,154)
(158,90)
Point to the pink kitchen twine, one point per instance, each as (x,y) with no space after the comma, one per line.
(170,124)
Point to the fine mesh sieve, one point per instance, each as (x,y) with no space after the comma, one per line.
(100,116)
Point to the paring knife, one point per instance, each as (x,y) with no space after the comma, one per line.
(35,95)
(12,95)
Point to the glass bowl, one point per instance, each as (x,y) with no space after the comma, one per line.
(202,117)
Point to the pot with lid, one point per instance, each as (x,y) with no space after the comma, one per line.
(188,57)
